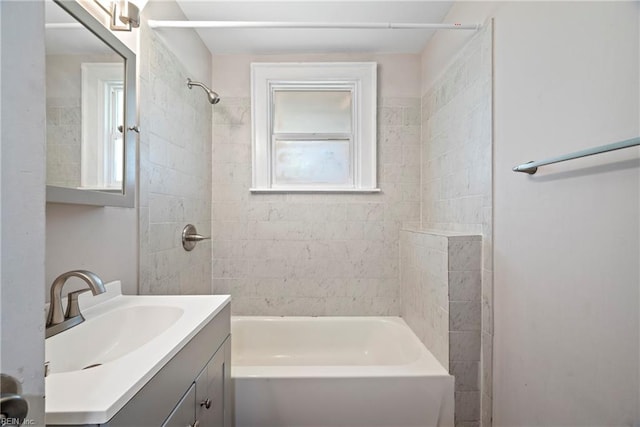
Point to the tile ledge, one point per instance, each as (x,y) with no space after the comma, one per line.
(312,191)
(442,233)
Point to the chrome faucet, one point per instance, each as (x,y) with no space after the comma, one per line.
(56,320)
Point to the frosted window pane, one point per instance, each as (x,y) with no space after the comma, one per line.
(312,162)
(312,111)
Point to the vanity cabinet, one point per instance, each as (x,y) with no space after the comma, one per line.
(183,414)
(193,389)
(207,403)
(210,392)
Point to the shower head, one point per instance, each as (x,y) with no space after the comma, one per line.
(213,97)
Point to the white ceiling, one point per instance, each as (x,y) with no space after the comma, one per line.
(69,41)
(262,41)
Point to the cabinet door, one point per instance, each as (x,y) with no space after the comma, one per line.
(228,390)
(210,393)
(212,408)
(183,414)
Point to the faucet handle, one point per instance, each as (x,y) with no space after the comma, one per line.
(73,309)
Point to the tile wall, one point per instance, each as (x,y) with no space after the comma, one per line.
(276,254)
(440,283)
(175,173)
(456,168)
(312,254)
(63,142)
(425,290)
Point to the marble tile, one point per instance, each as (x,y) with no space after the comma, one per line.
(365,212)
(464,316)
(465,256)
(175,175)
(164,236)
(411,116)
(456,195)
(399,102)
(487,364)
(391,150)
(467,406)
(486,411)
(328,247)
(390,116)
(222,286)
(487,301)
(465,345)
(467,375)
(465,285)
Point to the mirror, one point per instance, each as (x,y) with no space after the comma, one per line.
(90,91)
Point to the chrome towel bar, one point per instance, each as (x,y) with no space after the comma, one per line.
(532,167)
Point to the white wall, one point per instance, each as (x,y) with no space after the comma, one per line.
(22,118)
(99,239)
(567,314)
(398,75)
(566,240)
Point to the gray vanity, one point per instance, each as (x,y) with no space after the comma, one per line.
(193,389)
(142,361)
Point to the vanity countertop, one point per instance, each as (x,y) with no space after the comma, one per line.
(128,355)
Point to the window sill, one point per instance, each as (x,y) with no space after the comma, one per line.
(315,190)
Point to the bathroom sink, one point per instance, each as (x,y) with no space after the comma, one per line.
(96,367)
(108,337)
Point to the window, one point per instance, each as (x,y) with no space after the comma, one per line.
(114,145)
(102,163)
(314,126)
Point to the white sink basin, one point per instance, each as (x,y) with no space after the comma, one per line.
(95,368)
(108,337)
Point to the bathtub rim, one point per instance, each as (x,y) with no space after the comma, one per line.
(425,366)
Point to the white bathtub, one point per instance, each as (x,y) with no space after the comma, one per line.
(336,371)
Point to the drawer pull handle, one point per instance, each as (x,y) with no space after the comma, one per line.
(206,403)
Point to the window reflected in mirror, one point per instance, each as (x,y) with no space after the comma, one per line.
(85,109)
(102,104)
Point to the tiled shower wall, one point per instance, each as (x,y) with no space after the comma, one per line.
(440,285)
(456,169)
(311,254)
(175,173)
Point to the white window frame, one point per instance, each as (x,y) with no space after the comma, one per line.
(358,77)
(97,81)
(114,116)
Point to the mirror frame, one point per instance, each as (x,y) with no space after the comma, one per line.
(126,198)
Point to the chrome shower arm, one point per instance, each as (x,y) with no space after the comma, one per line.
(213,97)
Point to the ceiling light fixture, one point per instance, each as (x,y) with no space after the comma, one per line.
(125,14)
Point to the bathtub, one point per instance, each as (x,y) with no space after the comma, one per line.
(336,371)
